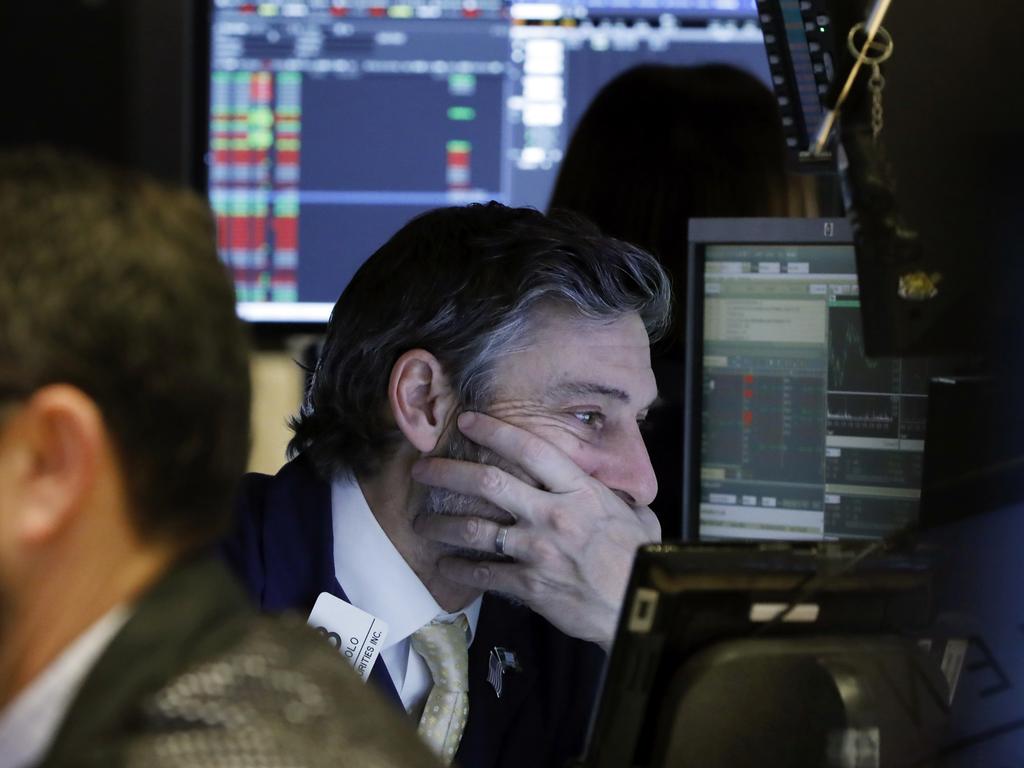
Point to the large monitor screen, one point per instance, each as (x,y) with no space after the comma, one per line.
(333,122)
(794,433)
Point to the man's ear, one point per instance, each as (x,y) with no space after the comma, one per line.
(60,437)
(421,399)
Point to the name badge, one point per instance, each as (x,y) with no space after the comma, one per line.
(356,634)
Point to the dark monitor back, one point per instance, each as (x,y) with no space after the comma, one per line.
(700,652)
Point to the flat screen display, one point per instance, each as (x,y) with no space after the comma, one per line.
(333,122)
(795,433)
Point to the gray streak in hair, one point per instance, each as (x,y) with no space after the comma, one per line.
(465,284)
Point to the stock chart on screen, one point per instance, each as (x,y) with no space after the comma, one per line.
(333,122)
(802,436)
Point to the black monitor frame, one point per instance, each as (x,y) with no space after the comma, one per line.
(704,232)
(683,601)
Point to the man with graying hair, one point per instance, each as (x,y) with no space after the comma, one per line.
(469,470)
(124,406)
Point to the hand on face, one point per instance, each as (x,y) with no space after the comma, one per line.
(573,541)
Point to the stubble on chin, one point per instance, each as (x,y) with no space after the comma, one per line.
(441,501)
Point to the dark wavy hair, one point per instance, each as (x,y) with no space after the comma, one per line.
(462,283)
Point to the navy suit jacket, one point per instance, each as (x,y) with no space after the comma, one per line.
(283,550)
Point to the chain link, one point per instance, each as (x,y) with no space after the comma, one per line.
(876,83)
(873,53)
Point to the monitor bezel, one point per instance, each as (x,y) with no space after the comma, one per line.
(684,600)
(702,233)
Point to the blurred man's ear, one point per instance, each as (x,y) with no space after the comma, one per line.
(421,399)
(54,448)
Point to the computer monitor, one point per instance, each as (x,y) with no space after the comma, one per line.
(730,656)
(791,432)
(333,122)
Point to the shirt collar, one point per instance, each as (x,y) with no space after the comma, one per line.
(375,576)
(29,724)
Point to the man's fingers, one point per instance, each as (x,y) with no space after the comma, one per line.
(544,462)
(484,481)
(650,523)
(488,577)
(470,532)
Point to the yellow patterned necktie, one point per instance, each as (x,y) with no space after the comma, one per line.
(443,647)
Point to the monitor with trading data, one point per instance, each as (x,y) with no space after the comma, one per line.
(333,122)
(792,432)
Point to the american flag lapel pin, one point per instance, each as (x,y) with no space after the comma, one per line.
(501,660)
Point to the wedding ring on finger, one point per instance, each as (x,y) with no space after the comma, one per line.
(499,540)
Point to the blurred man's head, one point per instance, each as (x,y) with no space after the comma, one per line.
(537,320)
(124,394)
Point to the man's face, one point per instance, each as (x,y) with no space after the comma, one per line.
(583,386)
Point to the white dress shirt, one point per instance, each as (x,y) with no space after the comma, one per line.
(29,724)
(376,579)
